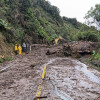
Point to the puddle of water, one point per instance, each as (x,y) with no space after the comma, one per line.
(88,73)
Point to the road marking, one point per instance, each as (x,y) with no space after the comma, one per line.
(43,74)
(39,90)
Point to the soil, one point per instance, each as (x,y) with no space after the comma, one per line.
(66,78)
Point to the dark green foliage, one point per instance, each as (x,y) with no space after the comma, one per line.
(37,19)
(6,59)
(52,10)
(96,55)
(1,3)
(3,24)
(9,59)
(25,4)
(73,21)
(88,36)
(1,60)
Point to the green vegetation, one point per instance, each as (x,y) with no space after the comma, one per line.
(40,20)
(9,59)
(94,13)
(1,60)
(88,36)
(96,56)
(6,49)
(34,20)
(31,17)
(3,24)
(6,59)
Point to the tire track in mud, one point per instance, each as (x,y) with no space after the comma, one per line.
(73,82)
(66,97)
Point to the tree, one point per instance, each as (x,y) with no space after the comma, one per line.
(25,4)
(73,21)
(93,15)
(52,10)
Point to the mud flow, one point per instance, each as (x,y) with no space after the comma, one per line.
(66,78)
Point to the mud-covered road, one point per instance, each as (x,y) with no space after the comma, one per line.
(66,78)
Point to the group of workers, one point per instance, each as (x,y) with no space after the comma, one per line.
(19,49)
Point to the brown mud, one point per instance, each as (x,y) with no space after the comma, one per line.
(66,78)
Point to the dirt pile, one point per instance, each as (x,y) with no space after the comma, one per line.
(84,46)
(75,49)
(55,50)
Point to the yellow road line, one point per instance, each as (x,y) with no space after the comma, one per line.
(39,91)
(38,94)
(43,74)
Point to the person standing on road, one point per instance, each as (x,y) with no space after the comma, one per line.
(19,49)
(30,48)
(24,48)
(16,49)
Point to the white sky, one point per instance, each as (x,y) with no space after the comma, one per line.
(74,8)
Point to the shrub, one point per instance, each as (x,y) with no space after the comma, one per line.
(9,58)
(96,56)
(3,24)
(88,36)
(1,60)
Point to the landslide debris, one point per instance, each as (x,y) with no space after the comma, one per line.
(75,49)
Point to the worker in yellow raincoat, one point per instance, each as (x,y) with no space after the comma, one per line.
(19,49)
(16,49)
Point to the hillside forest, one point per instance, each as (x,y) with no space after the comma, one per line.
(37,22)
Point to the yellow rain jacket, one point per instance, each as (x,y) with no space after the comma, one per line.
(16,47)
(19,49)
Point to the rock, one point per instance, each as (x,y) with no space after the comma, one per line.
(50,52)
(33,65)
